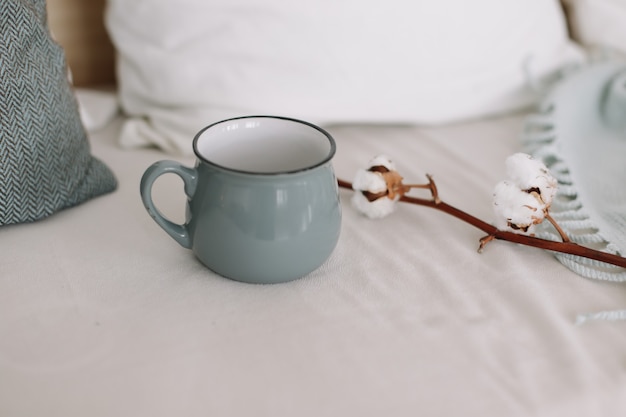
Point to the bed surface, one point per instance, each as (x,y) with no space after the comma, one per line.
(102,314)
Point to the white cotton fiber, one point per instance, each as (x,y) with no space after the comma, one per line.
(376,209)
(513,206)
(369,181)
(528,173)
(382,160)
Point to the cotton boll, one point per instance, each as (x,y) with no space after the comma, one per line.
(522,168)
(547,186)
(382,160)
(529,173)
(383,186)
(516,210)
(374,209)
(369,181)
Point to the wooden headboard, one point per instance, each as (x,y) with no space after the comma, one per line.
(78,25)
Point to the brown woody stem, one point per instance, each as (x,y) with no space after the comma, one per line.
(557,227)
(493,233)
(430,186)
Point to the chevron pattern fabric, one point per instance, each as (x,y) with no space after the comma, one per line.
(45,159)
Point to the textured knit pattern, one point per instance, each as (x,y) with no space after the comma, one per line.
(592,158)
(576,135)
(45,159)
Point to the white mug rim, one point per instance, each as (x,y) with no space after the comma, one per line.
(323,161)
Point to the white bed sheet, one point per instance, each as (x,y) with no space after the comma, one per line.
(102,314)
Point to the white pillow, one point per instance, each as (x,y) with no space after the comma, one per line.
(599,23)
(183,64)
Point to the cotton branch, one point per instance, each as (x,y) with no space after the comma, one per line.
(562,247)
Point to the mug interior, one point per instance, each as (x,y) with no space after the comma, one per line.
(264,145)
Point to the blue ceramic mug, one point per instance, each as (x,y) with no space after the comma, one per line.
(262,199)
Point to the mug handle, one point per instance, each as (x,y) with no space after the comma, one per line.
(179,232)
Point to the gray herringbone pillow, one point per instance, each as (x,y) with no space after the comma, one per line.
(45,159)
